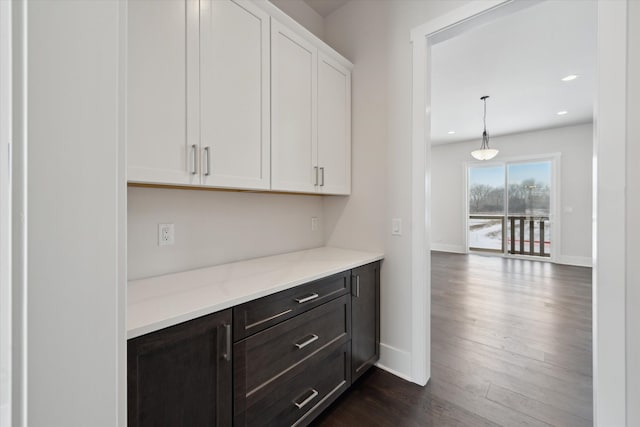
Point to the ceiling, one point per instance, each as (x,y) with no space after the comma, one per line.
(519,61)
(325,7)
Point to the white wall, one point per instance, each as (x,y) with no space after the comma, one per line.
(303,14)
(5,214)
(71,178)
(633,214)
(213,227)
(575,145)
(374,35)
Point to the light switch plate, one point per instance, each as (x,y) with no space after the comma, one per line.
(396,226)
(165,234)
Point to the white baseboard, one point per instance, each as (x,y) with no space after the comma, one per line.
(395,361)
(445,247)
(580,261)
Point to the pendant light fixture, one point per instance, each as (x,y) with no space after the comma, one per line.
(485,153)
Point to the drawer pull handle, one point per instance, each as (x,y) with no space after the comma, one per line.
(312,396)
(268,319)
(303,344)
(302,300)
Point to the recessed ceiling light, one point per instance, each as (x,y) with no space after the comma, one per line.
(562,113)
(569,78)
(451,132)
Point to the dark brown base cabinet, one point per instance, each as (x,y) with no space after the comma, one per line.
(365,309)
(181,376)
(294,353)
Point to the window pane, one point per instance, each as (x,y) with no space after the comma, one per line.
(529,188)
(529,193)
(486,190)
(485,233)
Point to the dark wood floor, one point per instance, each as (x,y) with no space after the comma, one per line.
(511,346)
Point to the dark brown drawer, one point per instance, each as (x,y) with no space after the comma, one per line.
(263,357)
(257,315)
(300,393)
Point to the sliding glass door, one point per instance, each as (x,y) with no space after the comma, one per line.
(510,207)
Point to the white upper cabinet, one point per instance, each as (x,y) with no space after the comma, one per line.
(334,126)
(234,95)
(311,117)
(293,111)
(156,93)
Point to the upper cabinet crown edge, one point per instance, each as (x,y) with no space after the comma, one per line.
(294,25)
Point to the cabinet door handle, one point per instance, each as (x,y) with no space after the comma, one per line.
(302,404)
(207,161)
(193,160)
(357,290)
(315,171)
(307,298)
(322,177)
(306,342)
(227,338)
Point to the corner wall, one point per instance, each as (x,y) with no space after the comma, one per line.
(375,36)
(575,145)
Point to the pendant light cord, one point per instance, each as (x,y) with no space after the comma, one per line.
(484,119)
(485,136)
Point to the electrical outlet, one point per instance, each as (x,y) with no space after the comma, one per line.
(314,223)
(165,234)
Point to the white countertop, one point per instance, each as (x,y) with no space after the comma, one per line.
(162,301)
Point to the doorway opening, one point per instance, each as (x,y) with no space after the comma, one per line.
(608,210)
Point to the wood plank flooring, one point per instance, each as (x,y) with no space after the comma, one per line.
(511,346)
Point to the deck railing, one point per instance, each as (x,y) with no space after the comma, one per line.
(519,240)
(517,246)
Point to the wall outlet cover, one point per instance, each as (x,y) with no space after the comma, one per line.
(165,234)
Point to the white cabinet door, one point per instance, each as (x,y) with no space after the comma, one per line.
(294,119)
(334,126)
(234,95)
(157,136)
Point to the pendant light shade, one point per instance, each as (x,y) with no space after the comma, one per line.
(484,153)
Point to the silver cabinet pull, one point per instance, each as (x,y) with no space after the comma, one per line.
(193,160)
(322,177)
(302,404)
(315,169)
(301,300)
(305,343)
(227,349)
(358,286)
(207,161)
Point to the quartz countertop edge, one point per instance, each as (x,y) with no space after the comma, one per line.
(158,302)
